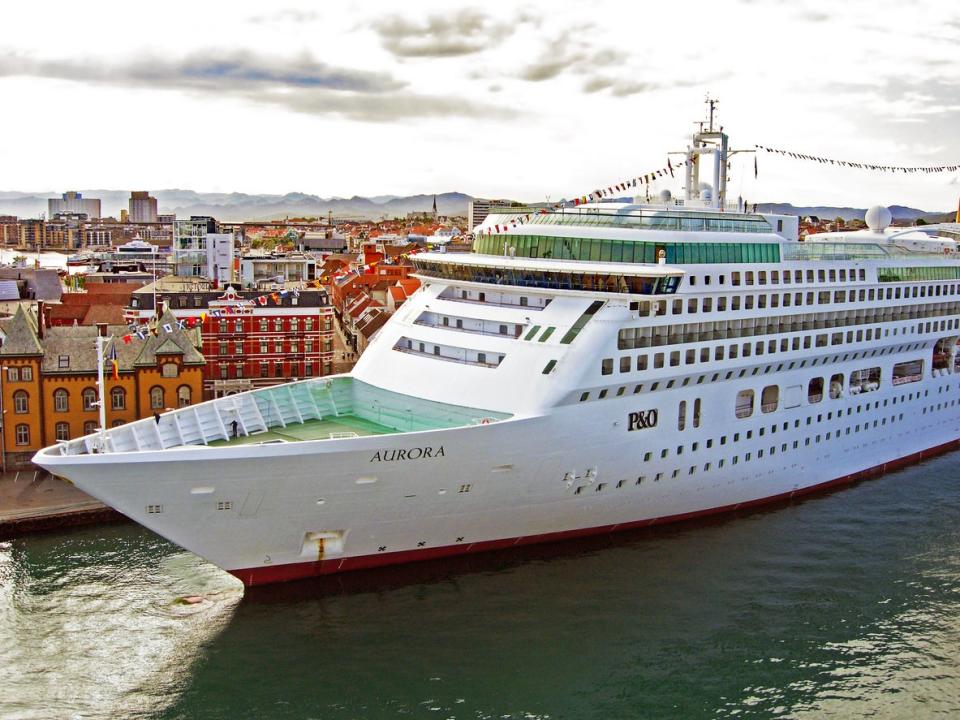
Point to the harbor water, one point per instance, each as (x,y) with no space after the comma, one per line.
(841,605)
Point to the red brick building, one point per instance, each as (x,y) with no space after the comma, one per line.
(250,339)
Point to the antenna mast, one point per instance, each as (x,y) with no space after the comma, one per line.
(712,102)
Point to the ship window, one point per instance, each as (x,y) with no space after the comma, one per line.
(836,386)
(744,406)
(682,415)
(625,363)
(641,362)
(606,366)
(769,398)
(584,396)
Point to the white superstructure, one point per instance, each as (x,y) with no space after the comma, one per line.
(595,368)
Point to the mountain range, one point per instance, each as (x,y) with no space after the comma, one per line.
(242,206)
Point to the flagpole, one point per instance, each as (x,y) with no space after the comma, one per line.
(100,386)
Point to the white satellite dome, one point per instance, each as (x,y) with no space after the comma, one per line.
(665,196)
(878,218)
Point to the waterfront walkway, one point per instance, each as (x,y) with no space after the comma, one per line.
(34,500)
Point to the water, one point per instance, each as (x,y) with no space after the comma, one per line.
(842,605)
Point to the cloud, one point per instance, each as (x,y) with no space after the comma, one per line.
(383,108)
(596,84)
(574,56)
(626,88)
(450,35)
(288,15)
(549,68)
(301,84)
(214,70)
(618,88)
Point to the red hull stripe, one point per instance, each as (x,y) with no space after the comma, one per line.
(299,571)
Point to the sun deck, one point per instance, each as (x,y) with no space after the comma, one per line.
(322,429)
(317,409)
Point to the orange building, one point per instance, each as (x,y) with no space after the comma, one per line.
(49,379)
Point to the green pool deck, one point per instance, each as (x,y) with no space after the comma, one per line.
(311,430)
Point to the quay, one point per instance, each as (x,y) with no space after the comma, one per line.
(36,501)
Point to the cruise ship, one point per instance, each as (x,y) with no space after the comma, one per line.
(587,369)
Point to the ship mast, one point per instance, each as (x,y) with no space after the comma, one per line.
(708,142)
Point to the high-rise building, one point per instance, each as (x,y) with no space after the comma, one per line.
(200,251)
(143,208)
(479,209)
(74,202)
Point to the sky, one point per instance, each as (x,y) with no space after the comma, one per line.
(533,101)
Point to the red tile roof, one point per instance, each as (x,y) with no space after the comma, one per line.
(110,314)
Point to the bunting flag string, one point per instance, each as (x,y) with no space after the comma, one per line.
(651,177)
(610,191)
(236,306)
(876,167)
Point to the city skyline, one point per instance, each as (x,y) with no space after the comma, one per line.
(534,102)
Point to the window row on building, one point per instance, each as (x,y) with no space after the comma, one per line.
(691,356)
(811,421)
(742,372)
(559,279)
(449,353)
(271,369)
(912,274)
(20,374)
(88,399)
(265,347)
(627,251)
(758,453)
(735,303)
(797,277)
(276,324)
(660,335)
(494,298)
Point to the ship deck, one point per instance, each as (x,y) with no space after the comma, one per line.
(322,429)
(333,408)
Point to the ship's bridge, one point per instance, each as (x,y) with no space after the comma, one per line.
(603,277)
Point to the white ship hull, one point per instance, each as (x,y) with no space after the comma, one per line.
(490,486)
